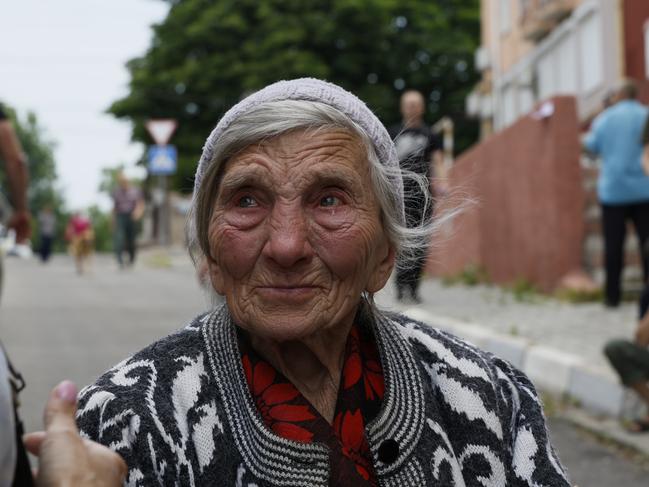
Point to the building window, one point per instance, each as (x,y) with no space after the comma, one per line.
(509,105)
(557,69)
(567,66)
(525,100)
(545,73)
(590,58)
(505,16)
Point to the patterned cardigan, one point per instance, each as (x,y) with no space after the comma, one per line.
(180,413)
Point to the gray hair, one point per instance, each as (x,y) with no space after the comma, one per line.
(627,89)
(273,118)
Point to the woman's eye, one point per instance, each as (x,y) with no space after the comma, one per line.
(247,202)
(330,201)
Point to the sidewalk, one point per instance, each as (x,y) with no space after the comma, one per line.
(558,345)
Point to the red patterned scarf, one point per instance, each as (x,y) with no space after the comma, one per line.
(291,416)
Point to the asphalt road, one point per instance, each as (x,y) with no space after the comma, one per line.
(56,324)
(594,463)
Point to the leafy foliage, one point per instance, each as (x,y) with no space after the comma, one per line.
(108,180)
(102,225)
(207,54)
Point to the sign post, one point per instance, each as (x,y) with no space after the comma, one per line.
(162,161)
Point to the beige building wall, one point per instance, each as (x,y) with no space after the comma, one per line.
(535,49)
(512,28)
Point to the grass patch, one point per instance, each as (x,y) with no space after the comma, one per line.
(158,261)
(524,291)
(471,275)
(579,295)
(555,404)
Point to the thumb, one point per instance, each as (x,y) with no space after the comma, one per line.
(61,407)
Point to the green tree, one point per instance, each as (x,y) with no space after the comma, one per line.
(206,54)
(108,180)
(102,225)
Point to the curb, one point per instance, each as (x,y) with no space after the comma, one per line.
(607,428)
(595,389)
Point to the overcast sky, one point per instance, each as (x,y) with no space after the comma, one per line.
(64,60)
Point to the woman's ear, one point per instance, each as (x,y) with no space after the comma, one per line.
(216,277)
(379,277)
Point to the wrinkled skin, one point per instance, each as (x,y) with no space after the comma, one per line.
(296,235)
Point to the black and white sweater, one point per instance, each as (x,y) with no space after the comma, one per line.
(180,413)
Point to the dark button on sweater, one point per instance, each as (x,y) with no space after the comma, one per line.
(389,451)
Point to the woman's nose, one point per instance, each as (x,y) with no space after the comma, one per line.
(288,239)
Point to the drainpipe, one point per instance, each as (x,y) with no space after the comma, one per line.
(496,64)
(621,43)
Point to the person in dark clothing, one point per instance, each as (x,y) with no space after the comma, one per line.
(419,151)
(622,187)
(47,227)
(129,207)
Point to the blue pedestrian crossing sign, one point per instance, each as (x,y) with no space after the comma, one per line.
(162,160)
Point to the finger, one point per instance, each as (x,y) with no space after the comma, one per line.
(61,407)
(121,470)
(108,464)
(33,442)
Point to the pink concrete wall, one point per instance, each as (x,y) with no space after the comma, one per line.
(635,14)
(526,220)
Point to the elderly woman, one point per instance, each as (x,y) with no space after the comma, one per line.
(299,380)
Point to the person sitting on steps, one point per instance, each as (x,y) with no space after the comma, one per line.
(630,359)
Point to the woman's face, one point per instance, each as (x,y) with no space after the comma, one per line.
(296,234)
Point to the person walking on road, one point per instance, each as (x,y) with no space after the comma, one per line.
(81,236)
(623,187)
(47,230)
(128,209)
(418,151)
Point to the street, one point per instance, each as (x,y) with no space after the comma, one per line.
(56,324)
(591,463)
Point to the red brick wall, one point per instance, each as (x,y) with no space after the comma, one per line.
(635,13)
(527,217)
(643,90)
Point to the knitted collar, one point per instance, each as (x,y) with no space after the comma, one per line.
(397,427)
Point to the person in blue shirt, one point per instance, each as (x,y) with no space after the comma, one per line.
(623,187)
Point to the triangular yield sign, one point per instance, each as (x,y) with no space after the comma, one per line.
(161,129)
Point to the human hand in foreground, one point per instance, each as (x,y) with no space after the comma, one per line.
(65,459)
